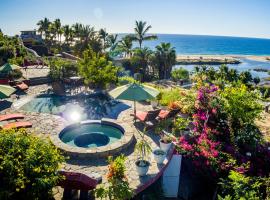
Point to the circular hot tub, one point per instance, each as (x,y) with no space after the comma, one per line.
(94,138)
(87,140)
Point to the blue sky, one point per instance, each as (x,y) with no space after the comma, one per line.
(247,18)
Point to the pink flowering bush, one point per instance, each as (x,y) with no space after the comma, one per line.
(214,147)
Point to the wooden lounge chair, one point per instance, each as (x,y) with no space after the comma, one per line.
(13,116)
(166,114)
(149,116)
(17,125)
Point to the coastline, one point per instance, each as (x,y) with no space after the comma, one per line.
(217,59)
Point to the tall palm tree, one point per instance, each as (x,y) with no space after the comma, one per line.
(112,41)
(57,25)
(103,35)
(141,28)
(44,26)
(166,58)
(67,33)
(125,45)
(77,30)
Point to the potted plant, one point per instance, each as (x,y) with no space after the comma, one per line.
(165,143)
(143,149)
(159,155)
(180,126)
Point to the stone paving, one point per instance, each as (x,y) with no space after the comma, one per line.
(45,125)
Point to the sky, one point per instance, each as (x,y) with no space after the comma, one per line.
(244,18)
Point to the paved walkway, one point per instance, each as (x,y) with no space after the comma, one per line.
(45,124)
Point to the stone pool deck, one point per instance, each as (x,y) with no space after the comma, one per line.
(47,125)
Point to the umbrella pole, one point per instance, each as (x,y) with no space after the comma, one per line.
(134,110)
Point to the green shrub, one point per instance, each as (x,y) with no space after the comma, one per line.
(126,80)
(179,74)
(96,70)
(28,166)
(168,96)
(241,104)
(15,74)
(61,68)
(238,186)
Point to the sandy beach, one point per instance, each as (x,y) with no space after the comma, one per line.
(209,58)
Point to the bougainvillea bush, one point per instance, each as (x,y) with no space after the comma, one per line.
(224,137)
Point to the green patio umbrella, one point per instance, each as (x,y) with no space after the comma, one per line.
(6,91)
(6,68)
(134,92)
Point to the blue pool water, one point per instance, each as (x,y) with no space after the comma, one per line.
(91,135)
(94,106)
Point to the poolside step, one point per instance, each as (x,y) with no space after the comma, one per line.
(39,80)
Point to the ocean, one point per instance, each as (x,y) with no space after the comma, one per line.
(217,45)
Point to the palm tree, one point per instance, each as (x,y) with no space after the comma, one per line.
(103,35)
(77,29)
(67,33)
(140,33)
(44,26)
(165,56)
(112,41)
(141,59)
(57,25)
(125,45)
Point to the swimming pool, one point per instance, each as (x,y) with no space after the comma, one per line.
(94,106)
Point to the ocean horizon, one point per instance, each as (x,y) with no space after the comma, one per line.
(212,45)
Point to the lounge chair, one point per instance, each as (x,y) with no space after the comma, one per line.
(145,117)
(166,114)
(13,116)
(17,125)
(22,86)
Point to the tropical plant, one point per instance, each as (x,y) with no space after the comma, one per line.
(28,166)
(125,45)
(126,80)
(239,186)
(140,61)
(112,41)
(179,74)
(143,149)
(241,104)
(164,59)
(256,80)
(60,69)
(96,70)
(245,77)
(141,29)
(118,188)
(58,29)
(104,36)
(43,28)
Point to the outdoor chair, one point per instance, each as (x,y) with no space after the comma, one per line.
(22,86)
(146,117)
(166,114)
(17,125)
(13,116)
